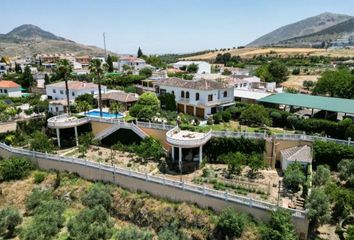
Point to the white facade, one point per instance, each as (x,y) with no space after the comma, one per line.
(197,101)
(133,62)
(203,67)
(57,90)
(3,68)
(11,92)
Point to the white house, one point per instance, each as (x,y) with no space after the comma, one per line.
(57,90)
(57,107)
(133,62)
(10,88)
(203,67)
(3,68)
(197,97)
(300,154)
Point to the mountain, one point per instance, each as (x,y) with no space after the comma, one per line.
(340,30)
(304,27)
(27,40)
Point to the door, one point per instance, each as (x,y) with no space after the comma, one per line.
(200,112)
(190,110)
(180,108)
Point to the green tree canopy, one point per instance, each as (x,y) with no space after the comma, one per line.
(132,233)
(98,194)
(255,115)
(41,143)
(10,218)
(231,224)
(147,72)
(14,168)
(319,208)
(146,107)
(294,176)
(321,176)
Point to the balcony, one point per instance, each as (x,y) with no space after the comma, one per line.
(187,139)
(65,121)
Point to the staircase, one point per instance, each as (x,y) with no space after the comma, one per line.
(119,125)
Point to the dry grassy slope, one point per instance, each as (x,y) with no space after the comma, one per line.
(282,52)
(131,209)
(31,47)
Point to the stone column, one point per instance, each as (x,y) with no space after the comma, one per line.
(76,136)
(200,154)
(58,137)
(180,158)
(173,153)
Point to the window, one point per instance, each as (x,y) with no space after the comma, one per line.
(225,93)
(182,94)
(173,93)
(5,90)
(162,91)
(73,94)
(236,85)
(0,90)
(197,96)
(92,92)
(61,91)
(187,94)
(54,91)
(245,84)
(210,97)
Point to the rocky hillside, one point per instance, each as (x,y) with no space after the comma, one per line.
(302,28)
(27,40)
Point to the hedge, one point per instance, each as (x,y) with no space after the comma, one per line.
(331,153)
(224,145)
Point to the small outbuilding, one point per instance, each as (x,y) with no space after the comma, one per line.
(300,154)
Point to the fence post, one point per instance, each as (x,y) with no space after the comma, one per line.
(226,196)
(349,141)
(204,192)
(163,125)
(164,180)
(183,185)
(149,124)
(130,172)
(250,202)
(146,177)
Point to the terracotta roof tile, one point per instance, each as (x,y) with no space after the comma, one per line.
(8,84)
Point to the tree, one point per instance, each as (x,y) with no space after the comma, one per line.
(322,176)
(116,108)
(280,226)
(84,142)
(168,101)
(27,78)
(64,68)
(308,84)
(46,79)
(231,224)
(294,176)
(37,197)
(192,68)
(87,97)
(98,194)
(10,218)
(234,162)
(18,68)
(109,63)
(276,71)
(140,53)
(40,142)
(255,115)
(147,72)
(350,233)
(255,162)
(150,148)
(14,168)
(95,67)
(146,107)
(319,208)
(171,232)
(346,171)
(296,71)
(133,233)
(90,224)
(83,106)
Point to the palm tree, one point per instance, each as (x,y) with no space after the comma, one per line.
(116,108)
(95,67)
(83,106)
(64,68)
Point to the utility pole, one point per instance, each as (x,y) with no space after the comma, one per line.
(104,44)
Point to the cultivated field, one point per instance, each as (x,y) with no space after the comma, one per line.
(282,52)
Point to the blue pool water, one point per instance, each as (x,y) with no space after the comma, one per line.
(104,114)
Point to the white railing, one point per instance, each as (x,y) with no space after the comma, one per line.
(189,187)
(197,141)
(63,121)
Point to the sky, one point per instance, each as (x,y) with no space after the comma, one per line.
(163,26)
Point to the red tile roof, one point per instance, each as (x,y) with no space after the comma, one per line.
(8,84)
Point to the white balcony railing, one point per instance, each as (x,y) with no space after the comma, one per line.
(176,140)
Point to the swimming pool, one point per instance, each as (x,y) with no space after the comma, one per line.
(104,114)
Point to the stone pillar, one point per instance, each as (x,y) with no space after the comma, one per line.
(200,154)
(173,153)
(76,136)
(58,137)
(180,158)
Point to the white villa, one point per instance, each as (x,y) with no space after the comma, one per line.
(58,107)
(10,88)
(203,67)
(197,97)
(131,61)
(56,91)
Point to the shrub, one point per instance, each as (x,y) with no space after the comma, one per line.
(91,223)
(217,117)
(132,233)
(231,224)
(171,232)
(255,115)
(322,176)
(97,195)
(331,153)
(226,116)
(234,162)
(346,171)
(36,197)
(319,208)
(41,143)
(294,176)
(39,177)
(14,168)
(10,218)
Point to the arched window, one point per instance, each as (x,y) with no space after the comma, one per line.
(173,93)
(197,96)
(187,94)
(225,93)
(182,94)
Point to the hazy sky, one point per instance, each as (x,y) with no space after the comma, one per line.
(163,26)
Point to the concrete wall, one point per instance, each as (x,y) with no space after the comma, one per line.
(158,134)
(159,190)
(98,127)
